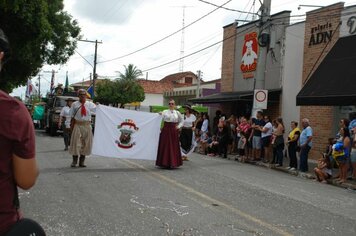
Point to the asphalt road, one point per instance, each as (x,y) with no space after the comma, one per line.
(206,196)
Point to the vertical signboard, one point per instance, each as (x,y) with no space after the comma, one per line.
(260,98)
(249,55)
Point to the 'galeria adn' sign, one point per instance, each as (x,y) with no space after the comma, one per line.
(321,34)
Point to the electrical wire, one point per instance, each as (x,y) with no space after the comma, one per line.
(229,9)
(168,36)
(84,58)
(193,53)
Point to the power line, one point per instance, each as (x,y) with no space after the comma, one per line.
(229,9)
(168,36)
(84,58)
(193,53)
(167,63)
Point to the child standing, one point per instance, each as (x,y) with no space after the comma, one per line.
(242,145)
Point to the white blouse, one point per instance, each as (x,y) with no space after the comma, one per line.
(172,116)
(188,121)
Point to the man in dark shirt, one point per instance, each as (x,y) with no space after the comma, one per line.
(255,137)
(17,150)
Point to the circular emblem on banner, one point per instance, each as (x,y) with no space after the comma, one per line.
(260,96)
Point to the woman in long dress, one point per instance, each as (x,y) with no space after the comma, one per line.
(169,155)
(186,137)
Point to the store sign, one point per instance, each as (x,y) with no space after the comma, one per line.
(249,55)
(348,22)
(321,34)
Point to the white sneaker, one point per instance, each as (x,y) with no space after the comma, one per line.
(277,165)
(292,169)
(288,168)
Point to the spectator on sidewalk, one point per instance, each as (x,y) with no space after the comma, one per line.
(323,171)
(222,138)
(255,137)
(266,136)
(279,141)
(212,149)
(245,127)
(292,145)
(353,154)
(341,153)
(242,146)
(305,144)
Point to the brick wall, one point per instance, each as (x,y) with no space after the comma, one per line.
(321,117)
(228,58)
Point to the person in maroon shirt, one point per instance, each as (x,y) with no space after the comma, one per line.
(18,166)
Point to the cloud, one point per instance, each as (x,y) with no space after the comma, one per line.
(108,11)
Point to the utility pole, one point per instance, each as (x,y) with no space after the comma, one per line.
(198,85)
(263,41)
(95,57)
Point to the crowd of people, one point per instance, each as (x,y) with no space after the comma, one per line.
(270,141)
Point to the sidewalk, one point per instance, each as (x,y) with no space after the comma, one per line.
(349,184)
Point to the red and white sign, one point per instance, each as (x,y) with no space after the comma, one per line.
(249,55)
(260,98)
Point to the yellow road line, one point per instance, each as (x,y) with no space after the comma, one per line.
(210,199)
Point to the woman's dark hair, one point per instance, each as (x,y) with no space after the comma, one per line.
(4,45)
(346,132)
(295,123)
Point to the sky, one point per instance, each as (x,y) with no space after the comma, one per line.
(147,34)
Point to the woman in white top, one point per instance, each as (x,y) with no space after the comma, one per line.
(169,155)
(186,134)
(266,134)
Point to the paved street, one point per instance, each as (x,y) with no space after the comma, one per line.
(206,196)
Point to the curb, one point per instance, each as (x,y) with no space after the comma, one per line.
(333,182)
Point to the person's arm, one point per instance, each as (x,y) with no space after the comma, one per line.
(264,129)
(25,171)
(180,120)
(61,115)
(23,158)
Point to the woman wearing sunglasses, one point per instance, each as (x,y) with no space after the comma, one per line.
(169,154)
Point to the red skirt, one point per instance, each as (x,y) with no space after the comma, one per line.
(169,155)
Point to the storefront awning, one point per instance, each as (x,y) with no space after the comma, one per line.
(273,95)
(334,81)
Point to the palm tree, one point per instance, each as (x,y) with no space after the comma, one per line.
(131,73)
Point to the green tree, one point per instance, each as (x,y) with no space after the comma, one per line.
(131,73)
(39,32)
(119,91)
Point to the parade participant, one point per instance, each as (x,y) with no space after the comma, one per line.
(82,136)
(186,134)
(18,166)
(169,155)
(64,115)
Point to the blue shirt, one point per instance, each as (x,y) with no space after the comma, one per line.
(306,133)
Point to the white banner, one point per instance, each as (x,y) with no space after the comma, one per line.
(124,133)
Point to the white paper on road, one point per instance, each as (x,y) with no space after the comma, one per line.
(125,133)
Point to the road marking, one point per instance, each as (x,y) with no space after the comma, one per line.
(210,199)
